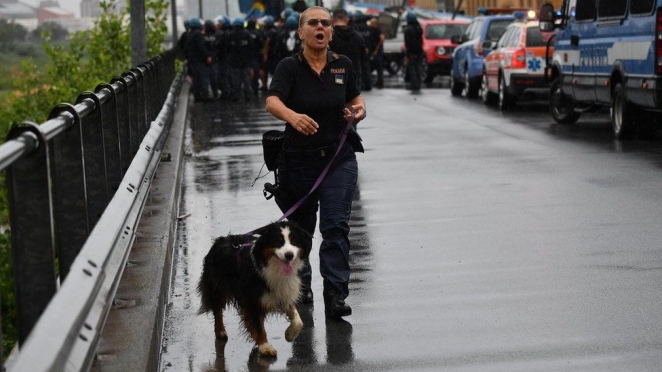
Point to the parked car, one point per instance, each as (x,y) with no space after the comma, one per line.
(437,45)
(467,58)
(607,54)
(514,68)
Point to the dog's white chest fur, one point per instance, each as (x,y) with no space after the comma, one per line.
(283,290)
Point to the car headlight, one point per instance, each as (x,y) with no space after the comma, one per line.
(441,51)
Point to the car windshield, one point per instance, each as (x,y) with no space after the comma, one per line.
(436,32)
(496,29)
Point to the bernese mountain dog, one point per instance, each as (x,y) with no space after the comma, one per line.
(257,278)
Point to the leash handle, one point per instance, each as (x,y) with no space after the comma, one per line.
(341,142)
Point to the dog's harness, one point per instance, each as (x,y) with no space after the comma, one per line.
(341,142)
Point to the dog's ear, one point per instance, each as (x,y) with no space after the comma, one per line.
(303,239)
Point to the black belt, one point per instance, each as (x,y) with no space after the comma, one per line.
(318,153)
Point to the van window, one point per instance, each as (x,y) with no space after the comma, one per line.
(534,37)
(513,39)
(469,33)
(496,29)
(641,7)
(504,39)
(439,32)
(612,8)
(475,33)
(585,10)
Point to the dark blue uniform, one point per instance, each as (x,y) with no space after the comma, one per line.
(322,97)
(414,47)
(240,53)
(198,59)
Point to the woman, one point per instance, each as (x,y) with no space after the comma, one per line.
(315,93)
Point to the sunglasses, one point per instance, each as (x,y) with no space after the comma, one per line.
(314,22)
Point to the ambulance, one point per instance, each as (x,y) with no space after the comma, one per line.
(607,53)
(514,66)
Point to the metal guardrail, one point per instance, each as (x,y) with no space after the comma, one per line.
(77,185)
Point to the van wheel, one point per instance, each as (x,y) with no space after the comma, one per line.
(488,97)
(561,106)
(622,112)
(470,90)
(506,100)
(456,86)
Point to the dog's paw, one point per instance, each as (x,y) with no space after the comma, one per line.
(293,330)
(266,350)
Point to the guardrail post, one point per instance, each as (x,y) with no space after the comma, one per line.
(92,132)
(31,219)
(134,114)
(73,225)
(111,139)
(140,94)
(123,123)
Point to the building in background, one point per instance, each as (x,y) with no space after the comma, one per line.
(51,11)
(18,13)
(90,8)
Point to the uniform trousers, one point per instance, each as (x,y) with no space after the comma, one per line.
(224,72)
(333,197)
(241,83)
(415,70)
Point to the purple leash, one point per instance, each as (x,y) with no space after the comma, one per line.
(341,142)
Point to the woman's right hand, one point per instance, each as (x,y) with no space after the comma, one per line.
(304,124)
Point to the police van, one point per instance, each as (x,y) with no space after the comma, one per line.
(607,53)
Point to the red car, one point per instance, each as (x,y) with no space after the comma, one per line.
(437,45)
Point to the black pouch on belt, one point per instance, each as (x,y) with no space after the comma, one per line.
(355,140)
(272,145)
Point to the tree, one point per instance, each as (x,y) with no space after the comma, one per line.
(51,31)
(10,34)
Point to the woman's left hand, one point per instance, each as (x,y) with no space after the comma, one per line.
(359,110)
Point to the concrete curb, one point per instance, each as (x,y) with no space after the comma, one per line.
(131,338)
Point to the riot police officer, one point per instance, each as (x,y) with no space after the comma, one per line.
(240,51)
(414,50)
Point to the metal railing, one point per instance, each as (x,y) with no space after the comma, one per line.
(76,186)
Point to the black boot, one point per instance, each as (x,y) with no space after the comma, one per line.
(306,296)
(334,303)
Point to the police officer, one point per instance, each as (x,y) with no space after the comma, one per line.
(288,38)
(210,35)
(347,41)
(256,54)
(269,57)
(364,30)
(414,50)
(377,54)
(240,52)
(223,26)
(182,53)
(314,92)
(199,59)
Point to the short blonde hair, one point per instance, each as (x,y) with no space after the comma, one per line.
(303,14)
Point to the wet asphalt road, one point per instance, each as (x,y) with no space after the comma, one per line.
(481,241)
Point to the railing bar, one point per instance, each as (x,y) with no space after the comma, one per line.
(14,149)
(54,343)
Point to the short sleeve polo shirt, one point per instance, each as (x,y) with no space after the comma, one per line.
(322,97)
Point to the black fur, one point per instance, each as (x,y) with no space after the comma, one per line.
(233,274)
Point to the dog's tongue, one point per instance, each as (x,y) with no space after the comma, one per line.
(286,267)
